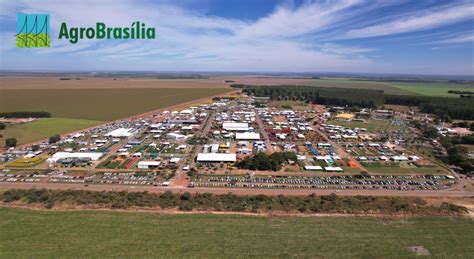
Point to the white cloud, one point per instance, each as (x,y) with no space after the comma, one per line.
(417,21)
(462,38)
(288,39)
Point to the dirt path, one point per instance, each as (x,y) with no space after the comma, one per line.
(236,191)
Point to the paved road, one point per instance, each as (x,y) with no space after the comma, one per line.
(237,191)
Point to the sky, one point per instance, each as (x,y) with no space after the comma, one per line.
(367,36)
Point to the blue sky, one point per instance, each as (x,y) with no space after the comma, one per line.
(375,36)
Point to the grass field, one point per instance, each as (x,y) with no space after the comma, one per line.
(99,104)
(435,89)
(395,170)
(88,82)
(370,125)
(44,128)
(39,234)
(428,89)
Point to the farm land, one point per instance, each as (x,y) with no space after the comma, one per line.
(131,234)
(78,104)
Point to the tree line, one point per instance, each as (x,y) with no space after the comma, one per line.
(320,95)
(444,108)
(230,202)
(25,115)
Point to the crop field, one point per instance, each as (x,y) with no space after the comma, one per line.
(74,109)
(435,89)
(99,104)
(34,234)
(44,128)
(87,82)
(401,88)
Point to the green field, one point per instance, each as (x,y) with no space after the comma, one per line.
(435,89)
(370,125)
(402,88)
(44,128)
(92,234)
(394,170)
(99,104)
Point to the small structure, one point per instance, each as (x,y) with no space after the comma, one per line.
(175,136)
(235,126)
(312,168)
(344,117)
(247,136)
(148,164)
(216,158)
(78,155)
(120,133)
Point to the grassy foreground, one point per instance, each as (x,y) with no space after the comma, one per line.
(35,234)
(44,128)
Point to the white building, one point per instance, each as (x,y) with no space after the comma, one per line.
(120,133)
(333,169)
(148,164)
(63,155)
(247,136)
(175,136)
(216,157)
(235,126)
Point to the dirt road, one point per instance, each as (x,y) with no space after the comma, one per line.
(236,191)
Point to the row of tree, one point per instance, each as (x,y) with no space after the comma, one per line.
(319,95)
(25,115)
(229,202)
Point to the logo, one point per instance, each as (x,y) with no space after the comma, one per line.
(137,30)
(33,31)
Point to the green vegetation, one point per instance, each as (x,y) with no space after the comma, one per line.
(25,114)
(457,154)
(445,108)
(54,139)
(319,95)
(295,105)
(440,89)
(434,89)
(370,125)
(262,161)
(230,202)
(407,170)
(11,142)
(91,234)
(99,104)
(359,84)
(44,128)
